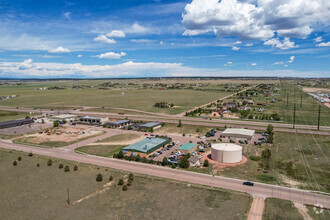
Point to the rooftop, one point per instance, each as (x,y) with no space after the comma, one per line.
(147,145)
(240,131)
(226,147)
(150,124)
(28,120)
(64,116)
(187,146)
(119,122)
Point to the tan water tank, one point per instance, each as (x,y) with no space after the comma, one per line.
(226,153)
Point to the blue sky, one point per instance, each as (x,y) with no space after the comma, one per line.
(135,38)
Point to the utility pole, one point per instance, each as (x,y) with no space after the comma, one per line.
(68,196)
(294,115)
(318,121)
(300,100)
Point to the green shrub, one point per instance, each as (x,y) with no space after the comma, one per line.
(99,177)
(120,182)
(173,166)
(38,165)
(131,176)
(120,155)
(184,163)
(60,166)
(19,158)
(265,177)
(129,182)
(15,163)
(165,161)
(75,168)
(255,158)
(110,178)
(206,163)
(125,188)
(66,168)
(49,162)
(30,154)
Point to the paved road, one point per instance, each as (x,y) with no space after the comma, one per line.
(259,189)
(257,209)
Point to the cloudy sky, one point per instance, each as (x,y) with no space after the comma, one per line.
(135,38)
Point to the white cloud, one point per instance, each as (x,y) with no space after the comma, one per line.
(255,20)
(238,42)
(235,48)
(67,15)
(116,33)
(161,42)
(103,39)
(111,55)
(228,63)
(59,50)
(275,42)
(142,40)
(278,63)
(79,55)
(318,39)
(136,28)
(249,45)
(27,64)
(291,59)
(253,64)
(324,44)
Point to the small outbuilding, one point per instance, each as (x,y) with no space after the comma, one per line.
(238,133)
(187,148)
(194,161)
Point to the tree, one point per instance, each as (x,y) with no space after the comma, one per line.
(60,166)
(38,165)
(270,129)
(138,158)
(19,158)
(120,182)
(125,188)
(66,168)
(30,154)
(173,166)
(55,124)
(110,178)
(42,121)
(129,182)
(75,168)
(120,154)
(266,154)
(49,162)
(151,130)
(206,163)
(63,121)
(180,124)
(165,161)
(15,163)
(27,117)
(271,138)
(184,163)
(99,177)
(131,176)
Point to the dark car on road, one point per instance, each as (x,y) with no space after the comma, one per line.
(247,183)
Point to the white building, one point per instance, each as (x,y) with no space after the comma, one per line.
(226,153)
(66,117)
(238,133)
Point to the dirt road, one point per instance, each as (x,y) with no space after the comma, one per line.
(257,209)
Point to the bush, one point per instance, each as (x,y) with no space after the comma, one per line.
(184,163)
(165,161)
(60,166)
(38,165)
(99,178)
(120,154)
(255,158)
(110,178)
(49,162)
(266,154)
(120,182)
(19,158)
(129,182)
(266,177)
(75,168)
(30,154)
(206,163)
(180,124)
(55,124)
(173,166)
(125,188)
(131,176)
(66,168)
(15,163)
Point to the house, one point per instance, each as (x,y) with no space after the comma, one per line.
(194,161)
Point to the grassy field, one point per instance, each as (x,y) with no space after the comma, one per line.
(100,150)
(141,99)
(9,115)
(318,214)
(187,129)
(109,110)
(44,189)
(120,138)
(280,209)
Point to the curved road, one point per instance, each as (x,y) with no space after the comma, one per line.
(259,189)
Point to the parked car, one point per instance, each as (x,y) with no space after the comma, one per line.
(246,142)
(247,183)
(241,142)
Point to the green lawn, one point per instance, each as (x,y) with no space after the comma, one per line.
(44,189)
(318,214)
(120,138)
(141,99)
(100,150)
(280,209)
(10,115)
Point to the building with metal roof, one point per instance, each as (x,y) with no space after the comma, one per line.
(15,123)
(66,117)
(147,146)
(92,120)
(238,133)
(187,148)
(148,125)
(118,124)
